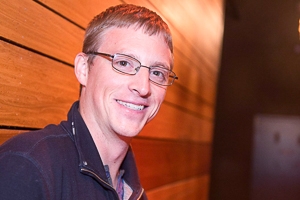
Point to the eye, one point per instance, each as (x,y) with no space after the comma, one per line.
(159,74)
(123,63)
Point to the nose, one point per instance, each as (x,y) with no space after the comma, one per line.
(140,82)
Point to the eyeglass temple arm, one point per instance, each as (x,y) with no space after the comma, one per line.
(102,54)
(175,77)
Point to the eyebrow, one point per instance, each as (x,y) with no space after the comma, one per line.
(160,64)
(156,63)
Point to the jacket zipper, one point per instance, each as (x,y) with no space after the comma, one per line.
(101,180)
(139,197)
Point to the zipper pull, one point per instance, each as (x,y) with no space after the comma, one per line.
(73,128)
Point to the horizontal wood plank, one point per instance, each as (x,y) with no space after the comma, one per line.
(32,25)
(162,162)
(80,12)
(34,90)
(173,123)
(203,84)
(195,188)
(189,101)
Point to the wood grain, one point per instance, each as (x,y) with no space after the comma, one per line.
(196,81)
(34,90)
(80,12)
(162,161)
(30,24)
(172,123)
(195,188)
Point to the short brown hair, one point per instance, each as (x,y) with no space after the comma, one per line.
(125,15)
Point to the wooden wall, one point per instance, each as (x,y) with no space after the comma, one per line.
(39,40)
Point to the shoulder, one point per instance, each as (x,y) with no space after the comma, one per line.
(34,159)
(23,175)
(27,141)
(39,147)
(21,179)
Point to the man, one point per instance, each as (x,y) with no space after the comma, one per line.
(124,71)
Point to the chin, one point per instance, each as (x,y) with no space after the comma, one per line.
(129,128)
(127,137)
(129,133)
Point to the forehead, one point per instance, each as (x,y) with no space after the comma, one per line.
(136,43)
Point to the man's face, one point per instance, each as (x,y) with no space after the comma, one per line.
(119,103)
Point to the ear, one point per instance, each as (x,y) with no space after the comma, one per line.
(81,68)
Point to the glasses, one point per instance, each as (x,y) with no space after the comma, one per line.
(129,65)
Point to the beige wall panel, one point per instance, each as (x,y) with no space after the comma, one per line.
(192,189)
(32,25)
(162,162)
(80,12)
(34,90)
(172,123)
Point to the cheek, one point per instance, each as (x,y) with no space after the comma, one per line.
(159,96)
(158,101)
(161,93)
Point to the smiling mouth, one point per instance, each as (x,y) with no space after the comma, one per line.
(131,106)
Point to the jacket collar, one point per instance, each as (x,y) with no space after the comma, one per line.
(89,157)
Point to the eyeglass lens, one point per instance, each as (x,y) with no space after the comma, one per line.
(130,65)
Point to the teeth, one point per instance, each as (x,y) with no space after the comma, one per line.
(131,106)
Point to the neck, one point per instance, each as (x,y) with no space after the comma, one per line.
(111,146)
(112,151)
